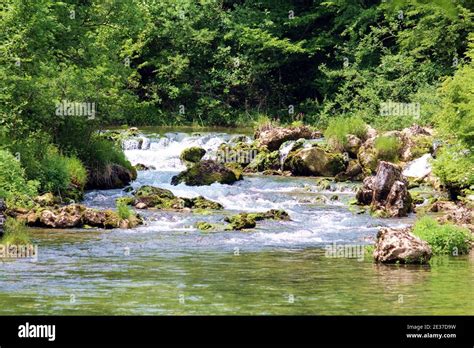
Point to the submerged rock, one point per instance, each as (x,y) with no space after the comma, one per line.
(386,192)
(400,245)
(249,220)
(272,137)
(154,197)
(243,221)
(315,161)
(206,172)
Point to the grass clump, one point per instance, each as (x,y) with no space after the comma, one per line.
(338,128)
(123,211)
(443,239)
(15,232)
(388,148)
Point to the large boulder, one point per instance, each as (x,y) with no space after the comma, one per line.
(386,192)
(315,161)
(206,173)
(272,137)
(400,245)
(110,177)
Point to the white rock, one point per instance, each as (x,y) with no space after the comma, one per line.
(419,168)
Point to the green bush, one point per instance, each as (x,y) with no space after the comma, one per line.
(15,232)
(123,211)
(100,152)
(13,185)
(55,174)
(443,239)
(454,165)
(387,148)
(338,128)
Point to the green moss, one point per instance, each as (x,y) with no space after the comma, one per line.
(249,220)
(207,227)
(241,221)
(203,203)
(125,200)
(205,173)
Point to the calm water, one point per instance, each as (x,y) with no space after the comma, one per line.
(168,267)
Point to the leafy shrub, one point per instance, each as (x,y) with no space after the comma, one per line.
(454,165)
(443,239)
(338,128)
(13,185)
(387,148)
(99,153)
(55,174)
(123,210)
(15,232)
(77,172)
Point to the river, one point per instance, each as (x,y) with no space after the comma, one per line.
(168,267)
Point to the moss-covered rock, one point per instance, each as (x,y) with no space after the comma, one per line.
(77,216)
(316,161)
(241,152)
(192,155)
(205,173)
(264,161)
(150,197)
(249,220)
(203,203)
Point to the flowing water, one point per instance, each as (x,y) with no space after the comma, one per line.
(169,267)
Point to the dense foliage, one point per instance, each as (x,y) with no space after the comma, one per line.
(223,62)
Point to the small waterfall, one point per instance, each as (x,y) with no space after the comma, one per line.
(284,150)
(162,152)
